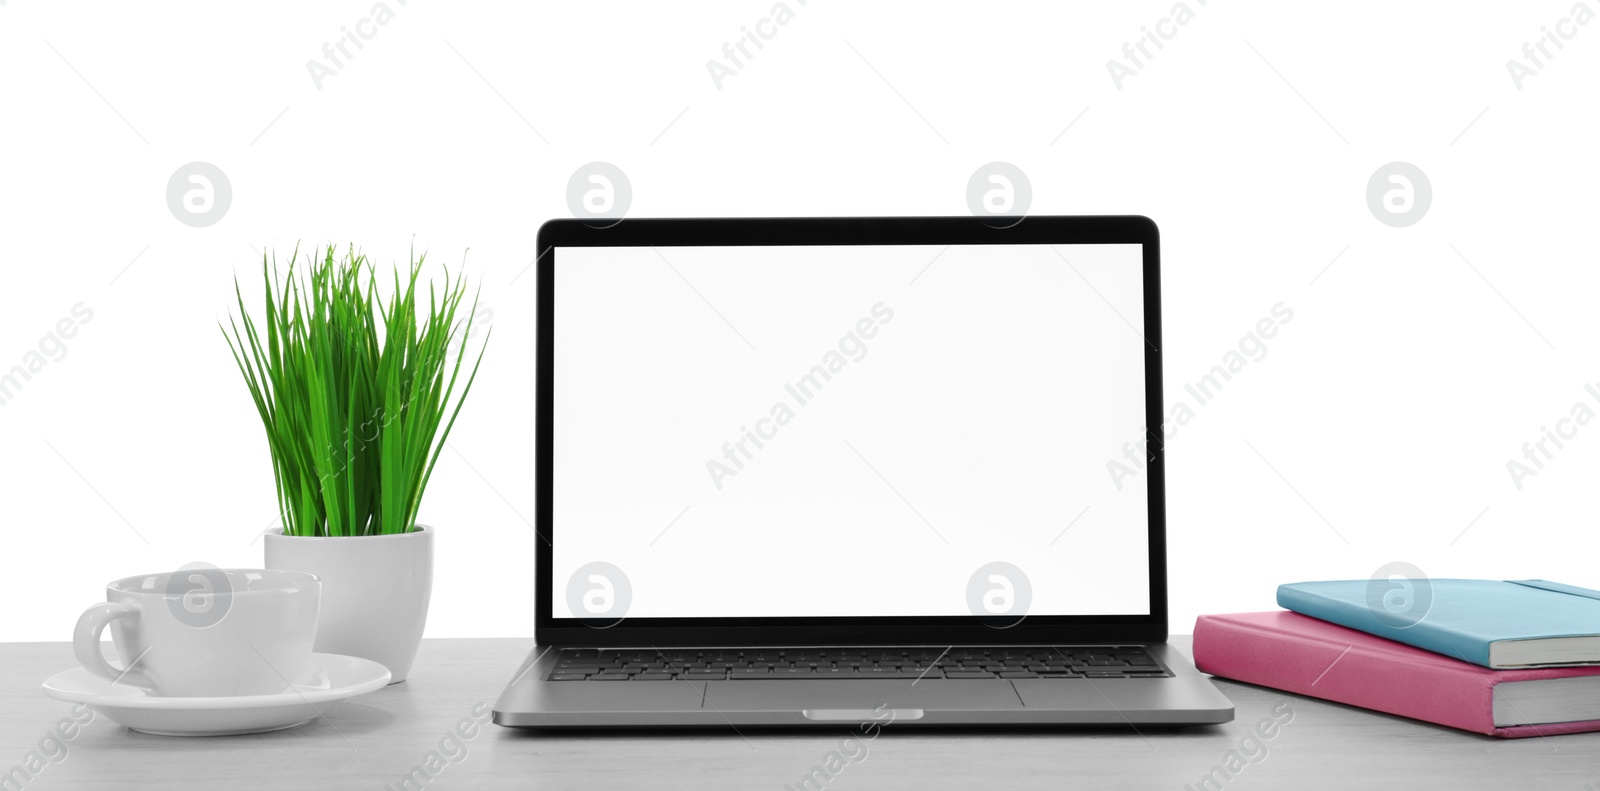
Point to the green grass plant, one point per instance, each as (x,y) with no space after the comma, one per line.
(353,391)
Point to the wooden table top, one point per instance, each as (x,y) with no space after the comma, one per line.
(374,741)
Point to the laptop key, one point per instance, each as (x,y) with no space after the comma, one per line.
(747,672)
(701,676)
(1018,674)
(565,677)
(653,677)
(968,674)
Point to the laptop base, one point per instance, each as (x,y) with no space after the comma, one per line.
(1185,697)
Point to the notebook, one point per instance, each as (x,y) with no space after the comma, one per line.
(1501,625)
(1294,653)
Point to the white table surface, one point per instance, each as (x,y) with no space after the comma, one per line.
(373,741)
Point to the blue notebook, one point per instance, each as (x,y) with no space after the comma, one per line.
(1493,623)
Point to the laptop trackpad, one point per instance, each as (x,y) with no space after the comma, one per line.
(820,699)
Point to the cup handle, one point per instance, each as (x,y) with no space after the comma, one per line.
(86,643)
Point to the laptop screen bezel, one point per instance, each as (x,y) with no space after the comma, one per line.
(854,630)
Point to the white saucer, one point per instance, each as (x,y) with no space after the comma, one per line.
(326,678)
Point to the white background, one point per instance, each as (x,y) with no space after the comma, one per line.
(973,429)
(1377,428)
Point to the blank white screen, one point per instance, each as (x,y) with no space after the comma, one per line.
(974,425)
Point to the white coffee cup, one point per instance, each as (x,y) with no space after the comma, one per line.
(203,631)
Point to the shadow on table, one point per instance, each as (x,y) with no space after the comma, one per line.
(890,732)
(347,718)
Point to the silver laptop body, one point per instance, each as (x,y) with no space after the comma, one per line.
(883,472)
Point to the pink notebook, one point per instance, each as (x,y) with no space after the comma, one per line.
(1296,653)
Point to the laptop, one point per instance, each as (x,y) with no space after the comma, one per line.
(825,472)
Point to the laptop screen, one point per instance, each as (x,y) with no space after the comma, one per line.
(875,430)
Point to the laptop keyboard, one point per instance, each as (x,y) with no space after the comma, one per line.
(730,664)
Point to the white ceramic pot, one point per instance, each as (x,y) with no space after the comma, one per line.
(375,591)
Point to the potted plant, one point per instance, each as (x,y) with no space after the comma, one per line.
(353,393)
